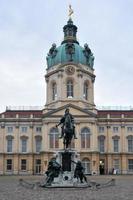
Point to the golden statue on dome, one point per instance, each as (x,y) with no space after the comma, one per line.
(70,11)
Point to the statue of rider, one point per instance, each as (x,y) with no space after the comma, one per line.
(62,121)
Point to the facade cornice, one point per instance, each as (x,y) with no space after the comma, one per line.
(115,120)
(7,120)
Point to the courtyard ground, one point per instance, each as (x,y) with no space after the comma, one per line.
(10,189)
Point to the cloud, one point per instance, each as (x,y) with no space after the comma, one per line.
(28,28)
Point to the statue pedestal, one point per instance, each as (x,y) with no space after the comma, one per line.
(67,159)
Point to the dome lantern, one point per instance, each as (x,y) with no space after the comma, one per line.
(70,31)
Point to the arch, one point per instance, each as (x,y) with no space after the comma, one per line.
(24,137)
(115,137)
(130,137)
(85,130)
(86,159)
(9,137)
(101,137)
(38,137)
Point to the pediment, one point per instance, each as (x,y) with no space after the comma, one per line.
(74,110)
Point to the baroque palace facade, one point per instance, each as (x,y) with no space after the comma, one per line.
(29,138)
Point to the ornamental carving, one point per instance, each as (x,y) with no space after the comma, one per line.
(89,55)
(53,51)
(70,70)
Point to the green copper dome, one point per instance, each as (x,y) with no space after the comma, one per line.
(70,50)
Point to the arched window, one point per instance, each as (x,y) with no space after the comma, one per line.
(86,88)
(116,143)
(85,138)
(130,143)
(69,88)
(38,141)
(9,143)
(54,138)
(101,144)
(54,91)
(24,144)
(86,165)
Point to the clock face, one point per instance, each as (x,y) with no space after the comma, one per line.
(70,70)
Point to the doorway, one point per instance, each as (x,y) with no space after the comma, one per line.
(38,166)
(102,167)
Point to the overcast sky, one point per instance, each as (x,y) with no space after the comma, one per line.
(29,27)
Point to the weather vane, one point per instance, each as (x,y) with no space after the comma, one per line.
(70,11)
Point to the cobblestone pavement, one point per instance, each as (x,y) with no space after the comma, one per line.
(10,189)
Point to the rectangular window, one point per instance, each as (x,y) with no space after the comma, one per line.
(38,129)
(9,145)
(24,145)
(130,129)
(82,141)
(101,129)
(116,145)
(54,91)
(23,164)
(130,164)
(116,164)
(101,146)
(116,129)
(130,145)
(87,140)
(69,89)
(9,129)
(51,141)
(38,166)
(38,145)
(24,129)
(9,164)
(56,141)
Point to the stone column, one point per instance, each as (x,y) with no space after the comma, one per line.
(109,163)
(59,85)
(123,138)
(108,140)
(94,135)
(124,164)
(95,163)
(16,164)
(1,164)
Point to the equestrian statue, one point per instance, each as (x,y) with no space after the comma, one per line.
(67,128)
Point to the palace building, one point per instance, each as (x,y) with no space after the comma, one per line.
(30,138)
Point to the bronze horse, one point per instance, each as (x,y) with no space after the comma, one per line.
(68,130)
